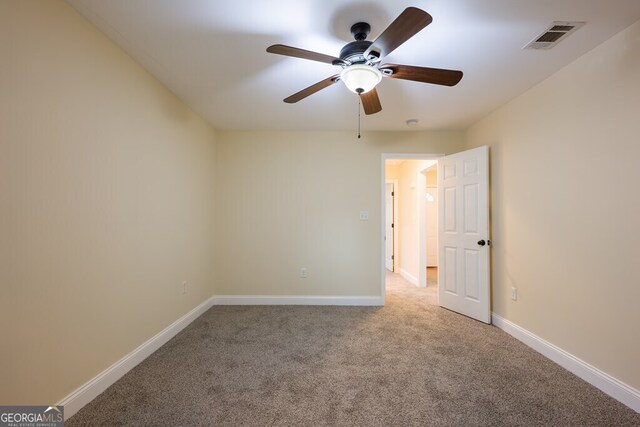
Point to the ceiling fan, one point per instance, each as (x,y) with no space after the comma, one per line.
(361,64)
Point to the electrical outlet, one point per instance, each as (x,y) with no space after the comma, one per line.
(303,273)
(185,287)
(514,293)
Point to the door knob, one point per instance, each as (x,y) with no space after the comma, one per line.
(481,242)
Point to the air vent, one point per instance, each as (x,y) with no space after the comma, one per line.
(556,32)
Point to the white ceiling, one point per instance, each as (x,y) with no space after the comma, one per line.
(211,54)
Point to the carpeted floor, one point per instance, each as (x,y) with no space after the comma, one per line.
(408,363)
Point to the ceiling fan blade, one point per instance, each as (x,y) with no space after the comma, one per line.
(406,25)
(371,102)
(312,89)
(435,76)
(281,49)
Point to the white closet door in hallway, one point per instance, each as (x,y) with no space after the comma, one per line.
(388,229)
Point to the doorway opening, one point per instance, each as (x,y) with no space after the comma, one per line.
(410,210)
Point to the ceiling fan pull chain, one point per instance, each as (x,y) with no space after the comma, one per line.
(359,103)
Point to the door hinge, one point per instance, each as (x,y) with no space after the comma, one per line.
(392,257)
(393,193)
(392,225)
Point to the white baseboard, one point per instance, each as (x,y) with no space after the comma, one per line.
(605,382)
(297,300)
(90,390)
(409,277)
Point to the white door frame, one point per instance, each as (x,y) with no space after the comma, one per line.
(384,157)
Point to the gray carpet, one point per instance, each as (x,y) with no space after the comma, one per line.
(408,363)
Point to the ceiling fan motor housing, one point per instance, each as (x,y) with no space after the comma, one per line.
(353,52)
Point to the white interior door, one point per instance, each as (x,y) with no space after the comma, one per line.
(388,228)
(463,273)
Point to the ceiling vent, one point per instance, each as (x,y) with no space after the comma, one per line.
(556,32)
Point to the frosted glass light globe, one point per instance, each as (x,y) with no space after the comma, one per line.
(360,78)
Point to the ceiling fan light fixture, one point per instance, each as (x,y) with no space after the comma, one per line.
(360,78)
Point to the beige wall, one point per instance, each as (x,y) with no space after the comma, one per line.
(391,171)
(288,200)
(564,166)
(432,177)
(106,203)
